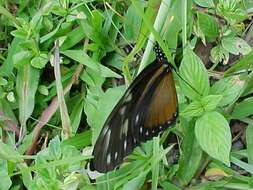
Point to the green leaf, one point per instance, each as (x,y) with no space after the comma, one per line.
(166,185)
(132,24)
(243,109)
(105,105)
(8,153)
(26,143)
(3,81)
(193,109)
(26,86)
(92,78)
(249,140)
(230,88)
(73,37)
(195,81)
(4,176)
(205,3)
(213,134)
(7,67)
(235,45)
(197,107)
(243,63)
(40,61)
(80,140)
(247,167)
(76,114)
(83,58)
(43,90)
(191,155)
(55,148)
(136,183)
(219,55)
(21,58)
(208,25)
(210,102)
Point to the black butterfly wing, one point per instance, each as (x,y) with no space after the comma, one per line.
(157,108)
(116,139)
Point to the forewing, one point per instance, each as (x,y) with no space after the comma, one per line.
(116,139)
(157,107)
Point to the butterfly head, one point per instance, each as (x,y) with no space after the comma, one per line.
(160,56)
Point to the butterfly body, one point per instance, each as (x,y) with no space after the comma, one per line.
(148,107)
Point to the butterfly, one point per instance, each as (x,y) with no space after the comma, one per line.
(148,107)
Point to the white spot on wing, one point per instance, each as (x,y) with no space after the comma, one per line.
(125,144)
(161,127)
(140,129)
(107,139)
(122,110)
(125,127)
(137,119)
(108,159)
(129,97)
(147,133)
(116,155)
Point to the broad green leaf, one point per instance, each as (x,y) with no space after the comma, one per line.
(83,58)
(231,11)
(73,38)
(6,109)
(249,140)
(105,105)
(7,67)
(3,81)
(210,102)
(195,81)
(197,107)
(243,109)
(26,86)
(40,61)
(219,55)
(80,140)
(173,30)
(22,58)
(8,153)
(43,90)
(205,3)
(166,185)
(132,24)
(190,158)
(54,148)
(208,26)
(213,134)
(26,142)
(92,78)
(235,45)
(136,183)
(4,176)
(230,88)
(26,174)
(193,109)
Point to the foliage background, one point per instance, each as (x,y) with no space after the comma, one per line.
(52,108)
